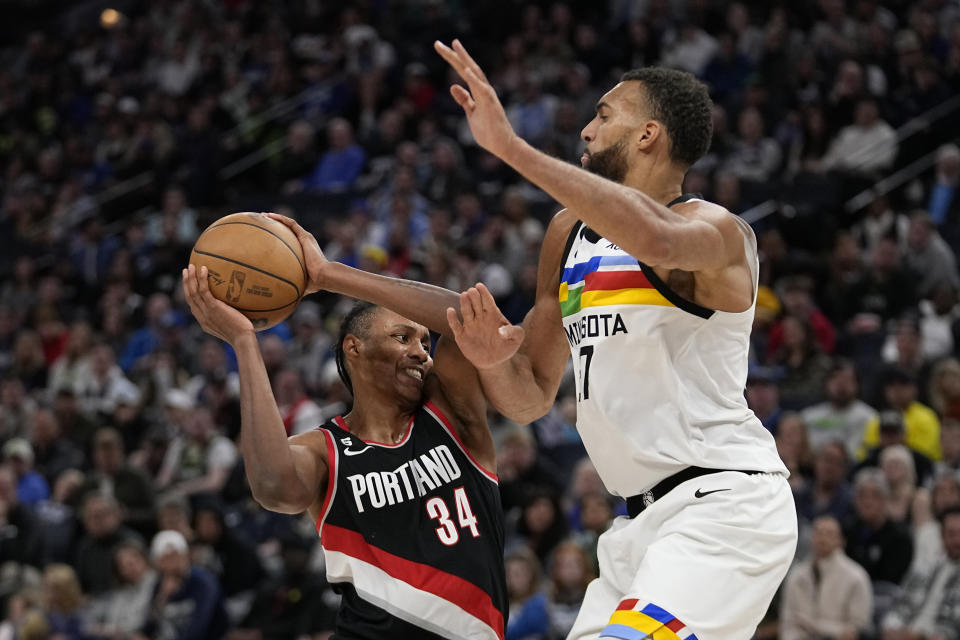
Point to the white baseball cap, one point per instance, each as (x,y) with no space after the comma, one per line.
(168,541)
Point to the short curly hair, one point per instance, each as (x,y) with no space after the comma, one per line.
(682,104)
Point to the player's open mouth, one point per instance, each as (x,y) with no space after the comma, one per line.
(414,373)
(585,159)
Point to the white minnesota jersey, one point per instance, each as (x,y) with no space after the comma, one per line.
(659,379)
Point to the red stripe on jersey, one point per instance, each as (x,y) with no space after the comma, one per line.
(451,588)
(613,280)
(331,478)
(453,433)
(627,605)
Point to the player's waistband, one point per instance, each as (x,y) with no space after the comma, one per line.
(636,504)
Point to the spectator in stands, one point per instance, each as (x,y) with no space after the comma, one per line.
(200,459)
(805,365)
(16,407)
(226,553)
(930,604)
(949,447)
(921,423)
(340,165)
(938,322)
(521,470)
(865,147)
(828,596)
(106,384)
(542,524)
(763,395)
(571,571)
(828,493)
(53,454)
(892,434)
(64,602)
(928,509)
(102,521)
(929,256)
(22,539)
(842,416)
(299,412)
(941,194)
(793,446)
(123,609)
(58,517)
(880,545)
(112,476)
(880,222)
(896,463)
(754,157)
(528,603)
(31,486)
(295,603)
(188,601)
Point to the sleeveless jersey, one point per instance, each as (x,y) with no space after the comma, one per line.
(660,379)
(412,535)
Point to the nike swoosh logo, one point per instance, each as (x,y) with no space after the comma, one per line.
(699,494)
(350,452)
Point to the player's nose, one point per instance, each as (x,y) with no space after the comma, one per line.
(588,133)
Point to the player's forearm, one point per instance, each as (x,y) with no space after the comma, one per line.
(266,453)
(623,215)
(423,303)
(513,389)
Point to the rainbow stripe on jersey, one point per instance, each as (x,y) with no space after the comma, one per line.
(604,281)
(637,620)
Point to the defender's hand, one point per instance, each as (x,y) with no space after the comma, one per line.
(216,317)
(315,262)
(484,337)
(485,115)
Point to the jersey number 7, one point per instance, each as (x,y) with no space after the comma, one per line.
(585,351)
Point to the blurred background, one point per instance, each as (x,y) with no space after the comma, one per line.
(127,127)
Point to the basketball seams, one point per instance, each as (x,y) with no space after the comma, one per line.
(306,277)
(250,266)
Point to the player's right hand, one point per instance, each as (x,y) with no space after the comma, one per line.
(215,317)
(316,262)
(485,337)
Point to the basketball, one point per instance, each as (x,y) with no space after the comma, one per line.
(255,264)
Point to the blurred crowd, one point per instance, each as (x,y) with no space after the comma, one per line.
(124,510)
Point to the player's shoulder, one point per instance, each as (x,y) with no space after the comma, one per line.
(315,440)
(719,216)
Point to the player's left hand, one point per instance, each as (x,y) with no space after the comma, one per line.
(215,316)
(485,115)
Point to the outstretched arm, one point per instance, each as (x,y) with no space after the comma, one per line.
(520,369)
(643,227)
(420,302)
(283,476)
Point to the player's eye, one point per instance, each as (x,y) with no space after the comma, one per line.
(402,337)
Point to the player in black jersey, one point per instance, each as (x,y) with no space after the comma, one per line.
(403,488)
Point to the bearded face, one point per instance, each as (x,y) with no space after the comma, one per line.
(610,163)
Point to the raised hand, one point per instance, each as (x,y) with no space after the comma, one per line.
(216,317)
(316,262)
(485,115)
(484,336)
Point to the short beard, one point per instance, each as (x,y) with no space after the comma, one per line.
(611,163)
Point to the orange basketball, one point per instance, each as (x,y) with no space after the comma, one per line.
(255,264)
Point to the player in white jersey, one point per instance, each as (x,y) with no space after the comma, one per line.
(653,294)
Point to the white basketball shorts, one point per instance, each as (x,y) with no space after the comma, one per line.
(694,568)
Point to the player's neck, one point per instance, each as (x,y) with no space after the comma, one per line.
(378,422)
(662,181)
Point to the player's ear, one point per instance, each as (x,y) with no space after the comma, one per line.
(352,345)
(647,134)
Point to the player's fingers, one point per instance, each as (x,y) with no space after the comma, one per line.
(466,308)
(290,222)
(512,333)
(486,298)
(463,97)
(468,60)
(454,321)
(475,301)
(448,54)
(203,285)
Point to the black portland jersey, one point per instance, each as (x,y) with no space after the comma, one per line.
(413,534)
